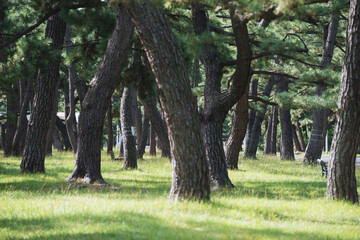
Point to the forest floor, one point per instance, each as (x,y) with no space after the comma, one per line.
(273,199)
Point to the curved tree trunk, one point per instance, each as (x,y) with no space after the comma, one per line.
(97,99)
(318,132)
(11,119)
(19,139)
(62,128)
(296,140)
(130,161)
(34,152)
(159,126)
(237,134)
(256,128)
(190,171)
(301,136)
(341,182)
(144,135)
(286,141)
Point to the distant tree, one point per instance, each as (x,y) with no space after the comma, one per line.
(341,183)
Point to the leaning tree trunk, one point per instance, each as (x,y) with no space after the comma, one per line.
(341,182)
(296,141)
(110,142)
(301,136)
(144,136)
(237,133)
(271,132)
(50,133)
(159,125)
(256,128)
(190,171)
(97,99)
(152,150)
(318,132)
(252,114)
(11,120)
(62,128)
(130,161)
(286,142)
(34,152)
(19,140)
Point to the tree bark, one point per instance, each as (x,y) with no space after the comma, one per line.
(50,133)
(62,128)
(301,136)
(159,126)
(152,141)
(237,133)
(271,132)
(11,119)
(144,136)
(19,139)
(320,118)
(137,119)
(110,142)
(341,183)
(130,161)
(256,128)
(252,114)
(34,152)
(286,143)
(296,141)
(97,99)
(190,171)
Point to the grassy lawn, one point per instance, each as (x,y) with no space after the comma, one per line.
(273,199)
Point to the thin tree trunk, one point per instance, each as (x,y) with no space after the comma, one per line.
(137,119)
(237,133)
(110,142)
(301,136)
(97,99)
(252,114)
(34,152)
(275,122)
(296,140)
(320,118)
(19,139)
(341,183)
(144,135)
(190,170)
(152,141)
(50,133)
(62,128)
(130,161)
(11,119)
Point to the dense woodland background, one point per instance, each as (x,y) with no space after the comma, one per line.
(200,80)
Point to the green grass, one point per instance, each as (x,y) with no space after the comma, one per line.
(273,199)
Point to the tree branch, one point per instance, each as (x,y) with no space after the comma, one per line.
(259,99)
(275,73)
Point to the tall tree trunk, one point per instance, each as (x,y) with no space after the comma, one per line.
(301,136)
(341,182)
(130,161)
(3,134)
(286,143)
(110,142)
(318,132)
(237,134)
(252,114)
(152,150)
(296,140)
(11,119)
(34,152)
(275,122)
(190,170)
(58,145)
(251,149)
(159,125)
(97,99)
(62,128)
(19,140)
(137,118)
(267,141)
(50,133)
(144,136)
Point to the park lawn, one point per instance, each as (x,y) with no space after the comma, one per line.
(273,199)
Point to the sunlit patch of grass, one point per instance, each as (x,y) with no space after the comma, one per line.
(273,199)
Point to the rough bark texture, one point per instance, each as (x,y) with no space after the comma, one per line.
(318,132)
(237,133)
(137,119)
(34,152)
(271,132)
(159,126)
(218,103)
(190,171)
(110,142)
(62,128)
(252,113)
(152,150)
(11,120)
(50,133)
(251,149)
(19,139)
(130,161)
(286,142)
(97,99)
(145,135)
(296,140)
(341,182)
